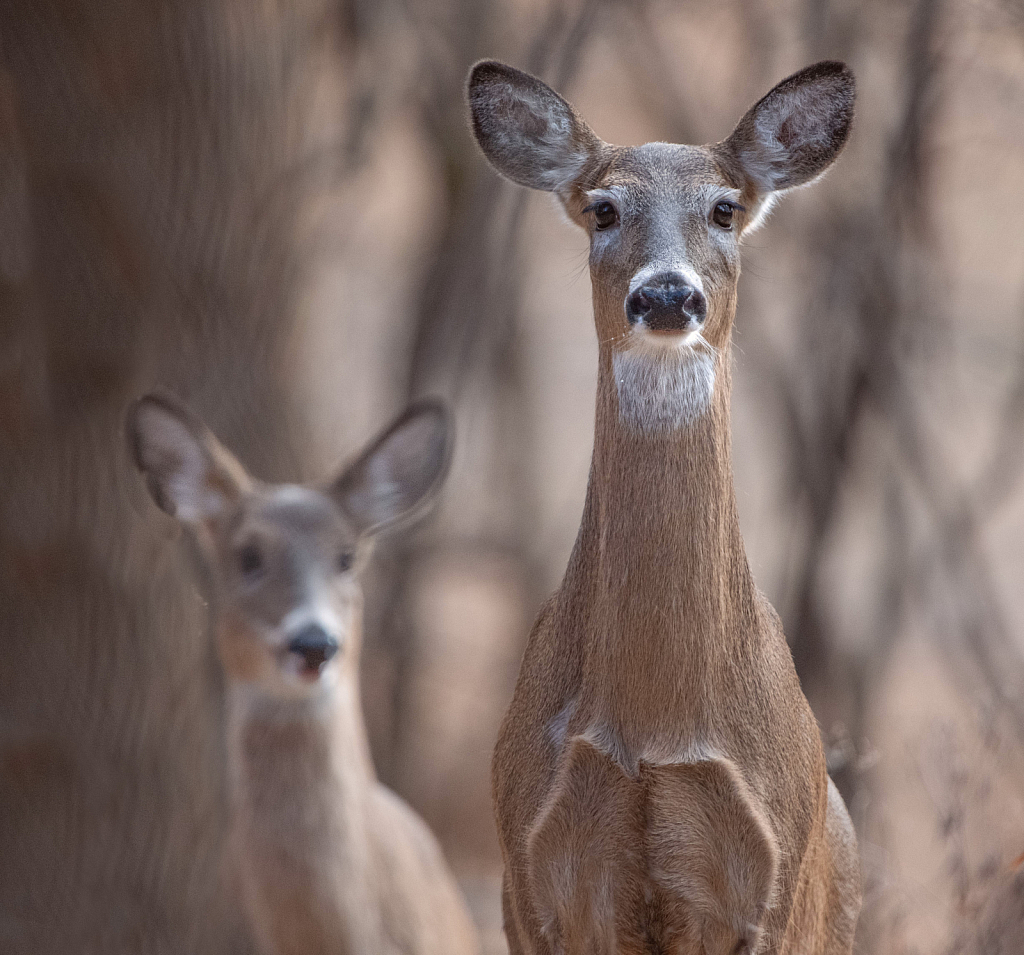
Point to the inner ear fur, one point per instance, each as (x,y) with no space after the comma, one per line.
(528,132)
(794,132)
(399,473)
(189,473)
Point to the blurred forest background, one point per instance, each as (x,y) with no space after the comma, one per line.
(276,210)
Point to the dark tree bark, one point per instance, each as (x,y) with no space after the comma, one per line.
(149,205)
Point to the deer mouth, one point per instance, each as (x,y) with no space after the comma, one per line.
(662,342)
(311,672)
(679,336)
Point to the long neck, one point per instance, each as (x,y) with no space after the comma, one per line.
(661,557)
(299,762)
(303,836)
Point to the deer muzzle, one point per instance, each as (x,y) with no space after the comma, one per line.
(315,646)
(667,303)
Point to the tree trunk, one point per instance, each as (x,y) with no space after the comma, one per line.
(149,219)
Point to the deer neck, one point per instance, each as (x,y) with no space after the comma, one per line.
(661,559)
(302,834)
(312,755)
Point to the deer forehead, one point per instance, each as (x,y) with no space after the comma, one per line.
(659,173)
(292,515)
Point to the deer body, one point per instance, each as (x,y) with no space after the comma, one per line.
(659,779)
(327,861)
(636,691)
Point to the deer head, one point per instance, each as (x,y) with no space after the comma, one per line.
(665,221)
(285,558)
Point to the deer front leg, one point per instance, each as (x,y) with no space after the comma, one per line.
(516,946)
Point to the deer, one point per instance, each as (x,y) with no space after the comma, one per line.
(326,859)
(659,779)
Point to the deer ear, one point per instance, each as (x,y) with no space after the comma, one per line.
(399,473)
(527,131)
(189,473)
(795,132)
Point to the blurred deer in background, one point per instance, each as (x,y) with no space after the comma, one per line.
(327,859)
(659,778)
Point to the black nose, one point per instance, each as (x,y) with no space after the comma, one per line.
(667,303)
(315,645)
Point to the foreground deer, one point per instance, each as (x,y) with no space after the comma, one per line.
(329,861)
(659,779)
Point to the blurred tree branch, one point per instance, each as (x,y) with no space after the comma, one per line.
(465,326)
(862,260)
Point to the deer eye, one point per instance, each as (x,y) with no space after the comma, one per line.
(605,215)
(721,215)
(343,562)
(250,561)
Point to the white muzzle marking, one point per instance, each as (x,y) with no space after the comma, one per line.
(663,386)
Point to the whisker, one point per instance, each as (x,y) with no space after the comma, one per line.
(699,338)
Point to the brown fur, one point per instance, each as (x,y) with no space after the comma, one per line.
(327,860)
(659,779)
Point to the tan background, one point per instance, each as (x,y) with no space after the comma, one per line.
(277,211)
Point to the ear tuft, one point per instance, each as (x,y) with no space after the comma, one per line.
(527,131)
(794,132)
(188,473)
(400,472)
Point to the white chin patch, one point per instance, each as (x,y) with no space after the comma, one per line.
(663,387)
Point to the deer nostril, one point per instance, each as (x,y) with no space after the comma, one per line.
(316,657)
(315,645)
(696,305)
(638,304)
